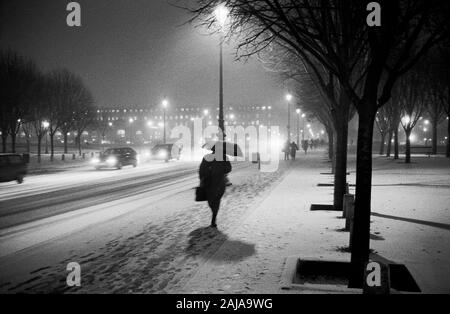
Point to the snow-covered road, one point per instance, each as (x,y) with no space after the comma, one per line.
(120,226)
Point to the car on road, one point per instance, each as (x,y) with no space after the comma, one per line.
(116,158)
(12,168)
(165,152)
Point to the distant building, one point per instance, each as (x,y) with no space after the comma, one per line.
(146,124)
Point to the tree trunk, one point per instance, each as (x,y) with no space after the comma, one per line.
(4,139)
(448,139)
(79,144)
(330,143)
(65,143)
(13,142)
(389,144)
(52,146)
(383,138)
(340,166)
(39,148)
(396,149)
(408,147)
(434,141)
(361,222)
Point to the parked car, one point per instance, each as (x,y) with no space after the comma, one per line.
(116,158)
(165,152)
(12,168)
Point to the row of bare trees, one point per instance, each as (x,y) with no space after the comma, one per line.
(41,104)
(355,67)
(422,92)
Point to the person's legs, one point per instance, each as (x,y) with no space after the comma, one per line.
(214,205)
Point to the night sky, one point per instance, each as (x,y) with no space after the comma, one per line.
(134,52)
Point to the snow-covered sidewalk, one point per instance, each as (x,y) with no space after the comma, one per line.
(410,225)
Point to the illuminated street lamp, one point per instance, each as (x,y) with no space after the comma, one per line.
(165,104)
(221,13)
(289,99)
(131,121)
(298,111)
(46,125)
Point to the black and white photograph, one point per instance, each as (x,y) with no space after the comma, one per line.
(248,149)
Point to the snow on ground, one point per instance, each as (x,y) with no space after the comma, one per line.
(166,247)
(153,249)
(411,218)
(414,231)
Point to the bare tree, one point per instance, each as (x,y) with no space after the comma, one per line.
(413,100)
(65,90)
(323,96)
(17,75)
(382,123)
(438,78)
(84,114)
(39,112)
(27,127)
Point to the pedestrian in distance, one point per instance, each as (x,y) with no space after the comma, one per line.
(212,175)
(305,146)
(286,150)
(294,149)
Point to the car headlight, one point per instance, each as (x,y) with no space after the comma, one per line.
(111,160)
(95,160)
(162,154)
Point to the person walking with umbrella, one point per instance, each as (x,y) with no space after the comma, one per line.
(213,170)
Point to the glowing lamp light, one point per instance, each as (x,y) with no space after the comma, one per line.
(288,97)
(221,13)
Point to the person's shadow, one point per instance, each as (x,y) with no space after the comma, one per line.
(205,241)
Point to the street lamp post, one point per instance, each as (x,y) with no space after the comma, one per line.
(165,103)
(221,14)
(131,120)
(303,127)
(45,124)
(205,114)
(298,126)
(289,99)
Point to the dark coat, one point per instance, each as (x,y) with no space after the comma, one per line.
(212,176)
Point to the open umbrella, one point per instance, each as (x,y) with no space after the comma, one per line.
(230,149)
